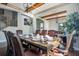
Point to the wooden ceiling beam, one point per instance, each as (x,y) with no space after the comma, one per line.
(34,6)
(62,12)
(56,17)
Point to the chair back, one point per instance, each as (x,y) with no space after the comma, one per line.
(14,44)
(17,46)
(19,32)
(10,51)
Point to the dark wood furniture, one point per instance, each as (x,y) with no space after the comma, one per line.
(17,46)
(36,44)
(50,32)
(41,46)
(10,51)
(14,47)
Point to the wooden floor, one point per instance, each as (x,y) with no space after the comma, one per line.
(31,53)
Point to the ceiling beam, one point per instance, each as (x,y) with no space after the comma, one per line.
(4,3)
(56,17)
(62,12)
(34,6)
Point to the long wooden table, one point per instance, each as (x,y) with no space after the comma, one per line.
(38,44)
(42,46)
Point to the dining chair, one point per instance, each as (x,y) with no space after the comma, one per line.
(10,51)
(14,47)
(17,46)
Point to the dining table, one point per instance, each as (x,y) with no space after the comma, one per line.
(42,46)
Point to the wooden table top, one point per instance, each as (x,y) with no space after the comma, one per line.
(39,44)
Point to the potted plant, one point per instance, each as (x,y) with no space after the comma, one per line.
(72,25)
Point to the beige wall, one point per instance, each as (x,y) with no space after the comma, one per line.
(53,24)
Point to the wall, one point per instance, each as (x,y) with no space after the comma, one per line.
(34,24)
(53,24)
(46,24)
(26,28)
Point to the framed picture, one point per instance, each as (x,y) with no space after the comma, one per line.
(27,21)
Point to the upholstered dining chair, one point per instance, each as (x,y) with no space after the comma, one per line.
(17,46)
(14,44)
(10,51)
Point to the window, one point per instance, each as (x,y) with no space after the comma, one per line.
(1,11)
